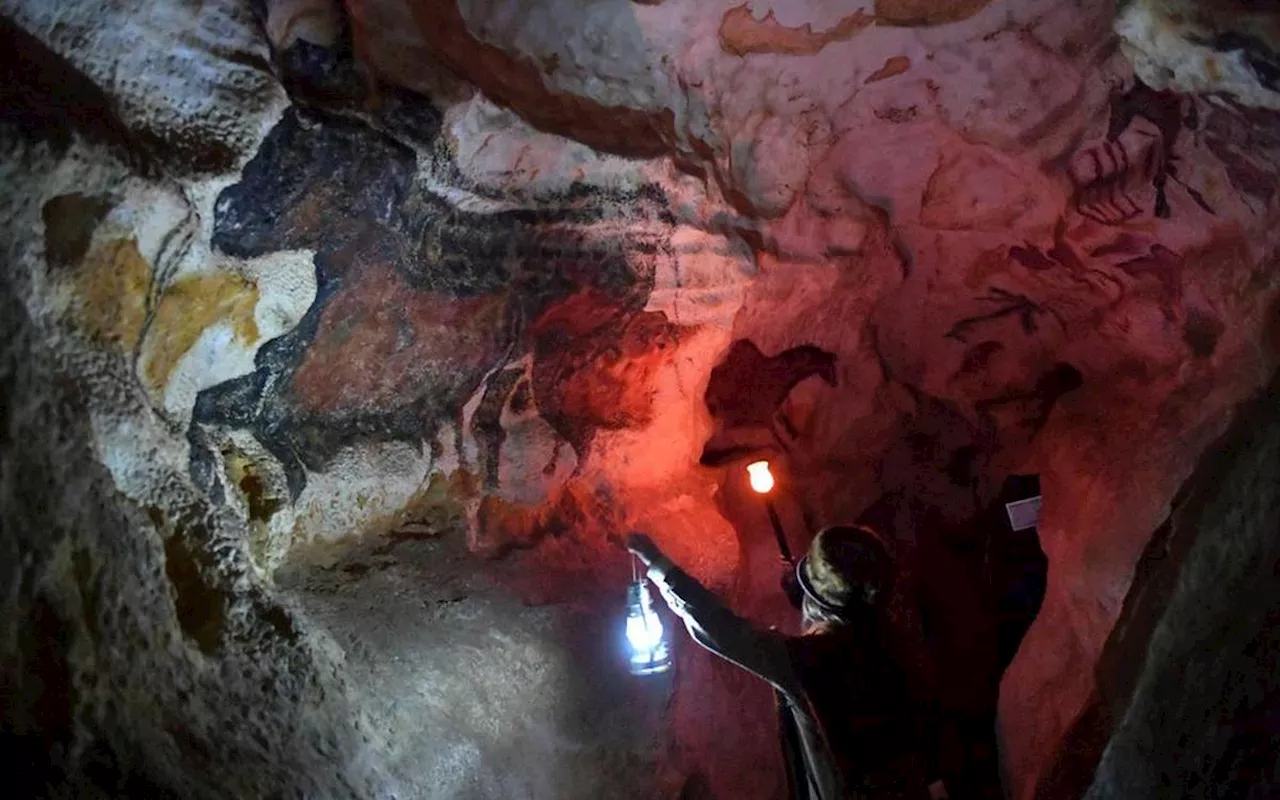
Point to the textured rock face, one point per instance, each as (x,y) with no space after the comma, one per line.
(1202,614)
(1199,46)
(347,339)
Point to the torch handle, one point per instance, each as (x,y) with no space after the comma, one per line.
(783,547)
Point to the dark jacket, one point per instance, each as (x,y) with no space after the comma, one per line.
(843,692)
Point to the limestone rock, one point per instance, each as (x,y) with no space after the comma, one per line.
(1195,46)
(1224,741)
(346,341)
(188,85)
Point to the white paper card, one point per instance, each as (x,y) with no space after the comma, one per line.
(1023,514)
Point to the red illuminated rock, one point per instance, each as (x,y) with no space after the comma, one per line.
(527,275)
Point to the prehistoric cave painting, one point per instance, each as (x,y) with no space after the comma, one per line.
(747,388)
(1003,303)
(594,359)
(316,182)
(1017,412)
(417,302)
(1126,174)
(1020,415)
(69,223)
(486,423)
(1162,268)
(332,78)
(1247,142)
(1151,269)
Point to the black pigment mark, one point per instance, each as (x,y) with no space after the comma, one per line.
(397,268)
(1008,304)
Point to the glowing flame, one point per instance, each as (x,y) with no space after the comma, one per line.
(644,633)
(761,477)
(645,636)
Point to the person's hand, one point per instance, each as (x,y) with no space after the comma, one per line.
(643,548)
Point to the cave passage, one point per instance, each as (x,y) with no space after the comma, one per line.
(969,592)
(345,344)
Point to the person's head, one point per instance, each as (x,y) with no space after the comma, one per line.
(847,575)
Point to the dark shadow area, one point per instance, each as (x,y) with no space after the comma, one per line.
(973,573)
(972,591)
(1202,721)
(46,98)
(745,391)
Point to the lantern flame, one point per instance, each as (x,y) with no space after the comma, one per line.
(760,476)
(646,638)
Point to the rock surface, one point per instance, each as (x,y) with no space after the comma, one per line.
(1202,613)
(346,340)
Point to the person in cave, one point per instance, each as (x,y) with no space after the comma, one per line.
(849,724)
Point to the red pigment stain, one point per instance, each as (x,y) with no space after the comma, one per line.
(384,343)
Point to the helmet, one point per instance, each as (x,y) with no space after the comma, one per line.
(847,565)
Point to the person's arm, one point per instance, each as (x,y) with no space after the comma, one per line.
(713,625)
(763,653)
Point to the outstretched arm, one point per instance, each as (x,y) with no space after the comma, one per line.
(713,625)
(764,653)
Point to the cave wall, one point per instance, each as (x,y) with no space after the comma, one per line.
(140,656)
(1187,696)
(1219,632)
(363,286)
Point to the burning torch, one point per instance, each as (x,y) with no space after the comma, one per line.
(762,483)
